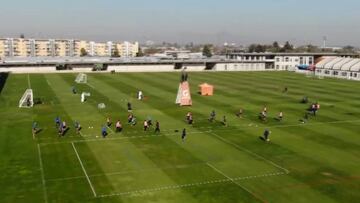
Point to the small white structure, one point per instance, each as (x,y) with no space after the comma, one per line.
(101,106)
(27,100)
(339,67)
(140,95)
(81,78)
(84,95)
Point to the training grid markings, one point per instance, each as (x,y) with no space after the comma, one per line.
(169,187)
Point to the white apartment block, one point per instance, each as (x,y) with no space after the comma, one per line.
(19,47)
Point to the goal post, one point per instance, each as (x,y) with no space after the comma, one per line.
(27,100)
(81,78)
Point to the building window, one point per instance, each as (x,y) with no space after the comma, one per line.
(311,61)
(286,59)
(301,60)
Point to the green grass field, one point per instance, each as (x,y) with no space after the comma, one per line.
(318,161)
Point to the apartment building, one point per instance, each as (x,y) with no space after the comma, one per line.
(19,47)
(127,49)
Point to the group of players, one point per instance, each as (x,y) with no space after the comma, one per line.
(62,127)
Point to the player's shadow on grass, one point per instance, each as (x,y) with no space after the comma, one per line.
(262,138)
(65,131)
(38,131)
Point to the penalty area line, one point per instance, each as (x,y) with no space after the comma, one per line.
(140,192)
(250,152)
(83,168)
(233,181)
(42,174)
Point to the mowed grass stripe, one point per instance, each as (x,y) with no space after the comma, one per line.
(123,85)
(143,160)
(148,83)
(20,179)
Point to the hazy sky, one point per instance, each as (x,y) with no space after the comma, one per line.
(198,21)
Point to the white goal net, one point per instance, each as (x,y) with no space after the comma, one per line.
(81,78)
(27,100)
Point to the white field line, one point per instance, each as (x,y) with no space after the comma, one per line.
(172,187)
(83,168)
(42,174)
(130,171)
(236,183)
(48,82)
(252,153)
(28,80)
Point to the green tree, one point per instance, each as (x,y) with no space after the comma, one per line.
(275,47)
(115,53)
(207,50)
(83,52)
(287,47)
(140,53)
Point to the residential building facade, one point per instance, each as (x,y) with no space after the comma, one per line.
(20,47)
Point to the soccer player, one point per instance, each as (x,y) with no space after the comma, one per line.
(280,117)
(183,134)
(157,127)
(133,121)
(146,125)
(188,116)
(190,121)
(285,90)
(212,116)
(57,121)
(118,126)
(266,135)
(60,129)
(130,118)
(305,100)
(240,113)
(129,107)
(108,121)
(104,132)
(73,89)
(263,115)
(77,127)
(64,128)
(149,121)
(224,122)
(34,128)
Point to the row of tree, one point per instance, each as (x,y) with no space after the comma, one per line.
(208,50)
(274,47)
(287,47)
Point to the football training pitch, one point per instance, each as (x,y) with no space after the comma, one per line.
(315,161)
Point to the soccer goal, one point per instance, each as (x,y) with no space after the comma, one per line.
(27,100)
(81,78)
